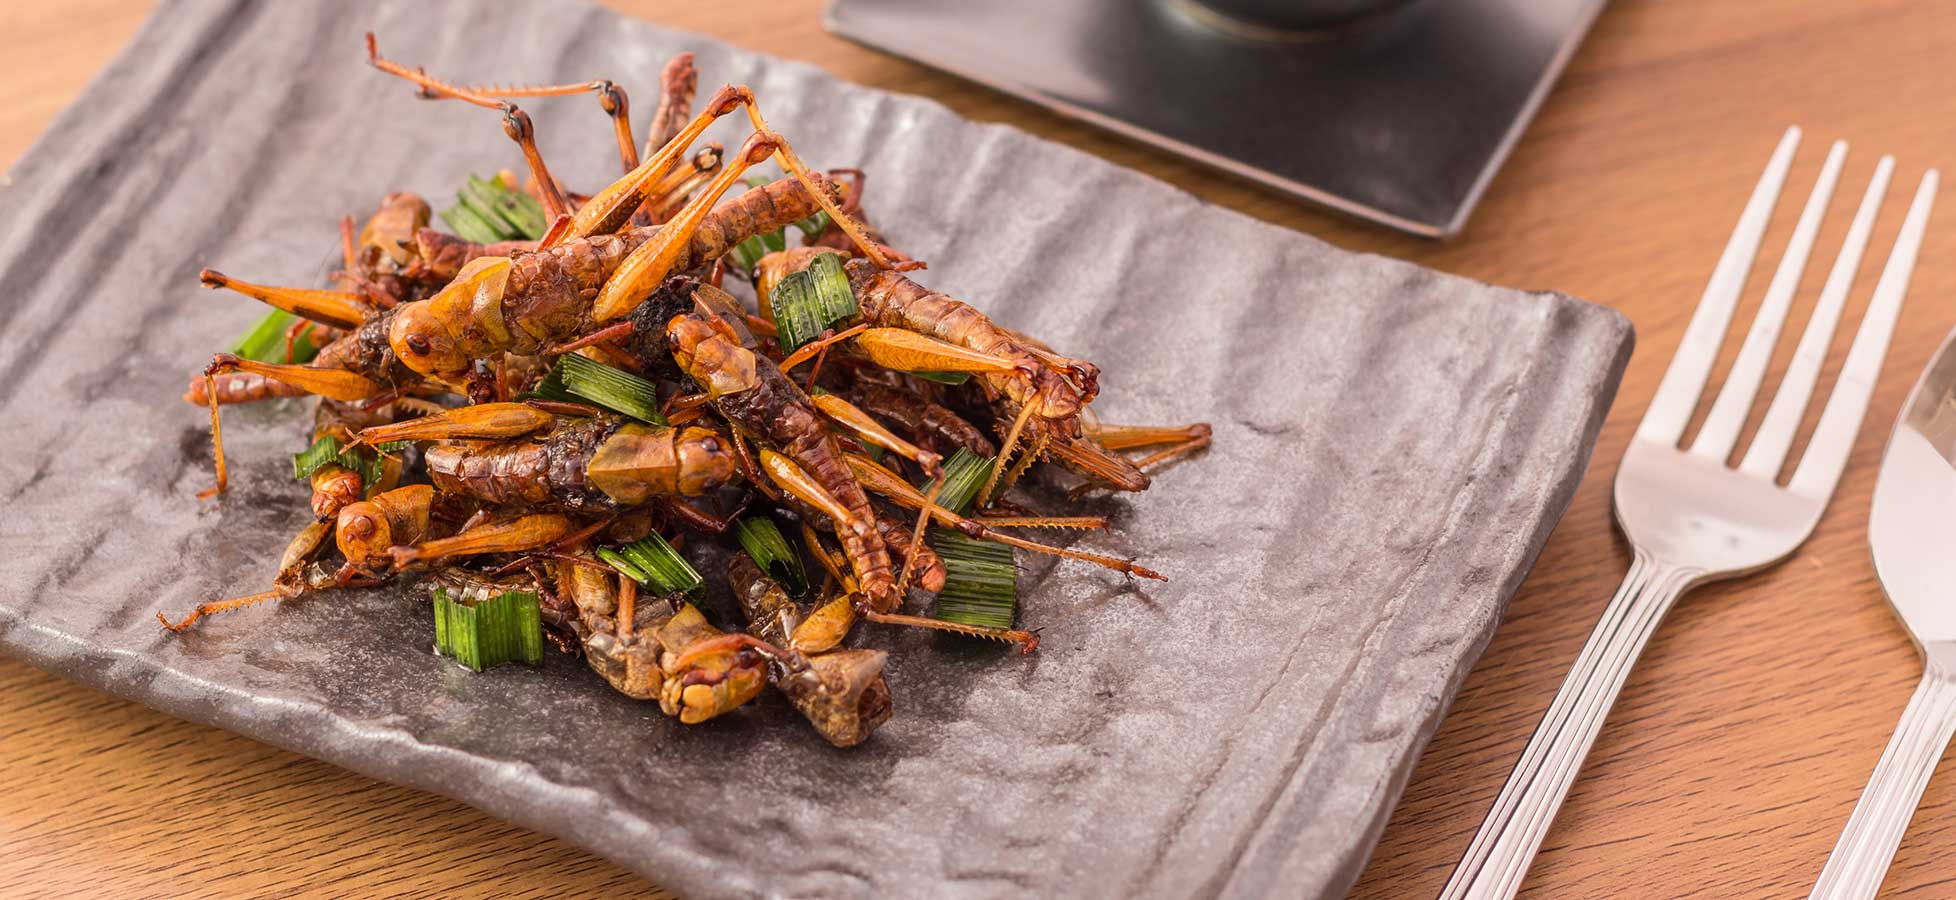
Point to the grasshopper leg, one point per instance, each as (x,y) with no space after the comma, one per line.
(643,270)
(846,414)
(218,606)
(509,536)
(611,208)
(481,421)
(336,308)
(611,98)
(887,483)
(516,122)
(289,583)
(1004,456)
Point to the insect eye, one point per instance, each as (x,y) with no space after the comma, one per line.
(418,345)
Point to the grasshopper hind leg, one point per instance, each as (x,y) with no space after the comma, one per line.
(516,122)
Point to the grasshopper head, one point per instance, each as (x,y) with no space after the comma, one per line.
(714,676)
(364,534)
(442,336)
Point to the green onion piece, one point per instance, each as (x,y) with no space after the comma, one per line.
(623,565)
(809,302)
(305,348)
(964,474)
(326,451)
(482,632)
(549,387)
(775,241)
(371,464)
(944,377)
(323,451)
(762,540)
(614,389)
(519,213)
(265,340)
(481,198)
(747,254)
(756,181)
(815,224)
(981,582)
(653,563)
(469,225)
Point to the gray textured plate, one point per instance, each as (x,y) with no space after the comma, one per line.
(1392,447)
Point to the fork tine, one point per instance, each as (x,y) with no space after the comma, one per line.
(1728,412)
(1677,393)
(1820,469)
(1769,447)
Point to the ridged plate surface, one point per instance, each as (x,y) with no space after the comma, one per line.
(1392,447)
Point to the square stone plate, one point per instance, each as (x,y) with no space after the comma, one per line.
(1392,446)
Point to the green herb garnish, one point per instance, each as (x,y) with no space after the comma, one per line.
(265,340)
(470,225)
(944,377)
(520,214)
(981,582)
(653,563)
(324,450)
(369,463)
(612,388)
(964,474)
(815,224)
(809,302)
(747,254)
(482,632)
(762,540)
(488,210)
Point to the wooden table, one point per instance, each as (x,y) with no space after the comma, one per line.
(1739,745)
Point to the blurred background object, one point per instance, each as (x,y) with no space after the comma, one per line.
(1395,111)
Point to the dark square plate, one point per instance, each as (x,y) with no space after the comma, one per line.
(1392,447)
(1401,119)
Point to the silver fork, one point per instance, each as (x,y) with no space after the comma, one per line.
(1690,517)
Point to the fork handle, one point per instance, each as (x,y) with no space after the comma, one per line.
(1495,862)
(1867,845)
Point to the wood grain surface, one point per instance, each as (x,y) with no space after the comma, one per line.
(1740,742)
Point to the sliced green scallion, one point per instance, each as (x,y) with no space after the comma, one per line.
(815,224)
(265,341)
(488,210)
(762,540)
(324,450)
(369,462)
(809,302)
(481,631)
(964,474)
(981,581)
(612,388)
(944,377)
(470,225)
(521,214)
(653,563)
(747,254)
(549,387)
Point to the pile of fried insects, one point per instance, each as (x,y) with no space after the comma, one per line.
(537,411)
